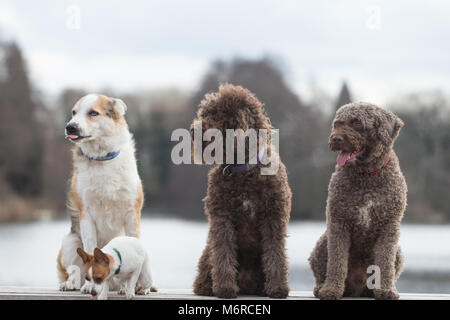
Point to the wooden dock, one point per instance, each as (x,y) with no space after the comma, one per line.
(26,293)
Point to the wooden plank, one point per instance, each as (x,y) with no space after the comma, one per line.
(27,293)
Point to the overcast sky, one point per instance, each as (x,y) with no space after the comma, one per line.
(382,48)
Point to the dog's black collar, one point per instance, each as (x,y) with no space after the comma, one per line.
(120,259)
(231,169)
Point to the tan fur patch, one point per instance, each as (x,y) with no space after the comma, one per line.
(138,206)
(100,266)
(100,271)
(105,106)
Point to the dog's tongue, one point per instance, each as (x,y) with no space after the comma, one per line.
(342,158)
(71,136)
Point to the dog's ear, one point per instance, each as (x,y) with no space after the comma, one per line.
(84,255)
(120,106)
(100,257)
(389,126)
(116,108)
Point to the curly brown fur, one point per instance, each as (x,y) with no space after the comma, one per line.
(365,205)
(248,212)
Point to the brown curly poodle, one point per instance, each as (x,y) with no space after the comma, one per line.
(366,201)
(247,212)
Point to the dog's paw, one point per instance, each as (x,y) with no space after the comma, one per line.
(129,295)
(67,286)
(123,288)
(86,288)
(139,288)
(143,290)
(279,292)
(329,293)
(153,288)
(203,290)
(316,290)
(226,292)
(385,294)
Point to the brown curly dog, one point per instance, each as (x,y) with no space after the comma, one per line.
(247,212)
(366,201)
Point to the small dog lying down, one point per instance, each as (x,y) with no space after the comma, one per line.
(124,258)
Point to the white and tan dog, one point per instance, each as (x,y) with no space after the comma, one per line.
(105,197)
(124,258)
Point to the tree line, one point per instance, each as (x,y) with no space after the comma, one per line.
(35,162)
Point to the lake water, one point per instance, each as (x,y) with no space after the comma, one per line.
(28,253)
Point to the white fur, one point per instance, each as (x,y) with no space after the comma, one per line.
(249,208)
(88,101)
(135,267)
(107,189)
(365,218)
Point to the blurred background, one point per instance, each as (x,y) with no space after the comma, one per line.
(302,61)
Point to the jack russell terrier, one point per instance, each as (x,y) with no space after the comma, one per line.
(123,258)
(105,197)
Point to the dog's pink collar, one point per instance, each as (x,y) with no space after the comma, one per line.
(374,172)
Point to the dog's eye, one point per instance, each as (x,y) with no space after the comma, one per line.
(74,112)
(337,124)
(98,280)
(356,123)
(87,279)
(93,113)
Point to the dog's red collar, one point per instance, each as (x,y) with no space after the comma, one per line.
(374,172)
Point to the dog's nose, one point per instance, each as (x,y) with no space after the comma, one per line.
(93,292)
(72,128)
(337,139)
